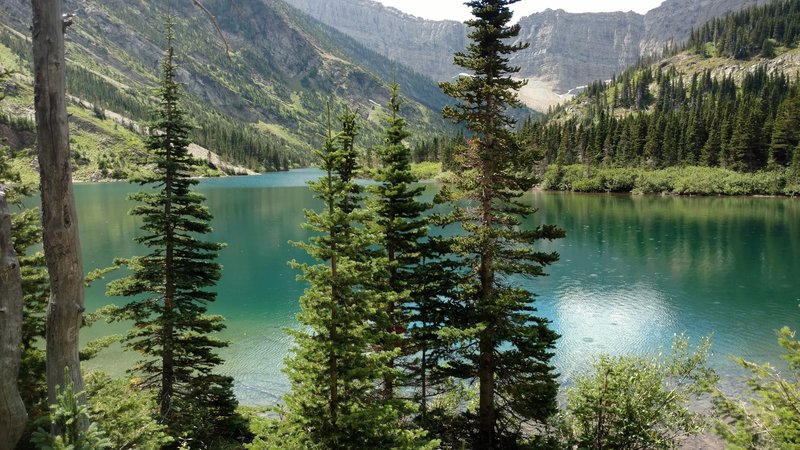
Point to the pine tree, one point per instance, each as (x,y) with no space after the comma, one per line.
(794,169)
(338,360)
(709,156)
(785,136)
(399,220)
(169,287)
(743,138)
(652,157)
(504,345)
(67,416)
(670,147)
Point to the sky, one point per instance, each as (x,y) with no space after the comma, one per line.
(455,9)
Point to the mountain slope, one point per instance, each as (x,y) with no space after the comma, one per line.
(729,102)
(567,50)
(262,104)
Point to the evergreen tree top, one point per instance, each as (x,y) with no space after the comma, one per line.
(489,91)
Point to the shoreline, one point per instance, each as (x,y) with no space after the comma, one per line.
(685,181)
(444,178)
(200,177)
(664,194)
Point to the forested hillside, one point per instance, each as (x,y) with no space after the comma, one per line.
(729,100)
(257,104)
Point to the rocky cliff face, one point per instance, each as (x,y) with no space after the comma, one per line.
(426,46)
(567,50)
(674,19)
(570,50)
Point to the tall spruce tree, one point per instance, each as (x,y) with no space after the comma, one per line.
(169,287)
(400,222)
(505,346)
(338,360)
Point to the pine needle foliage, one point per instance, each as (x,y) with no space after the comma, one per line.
(67,416)
(769,416)
(502,344)
(170,287)
(337,361)
(398,216)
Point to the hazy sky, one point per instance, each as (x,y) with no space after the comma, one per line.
(455,9)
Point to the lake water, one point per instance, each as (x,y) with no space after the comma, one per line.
(634,271)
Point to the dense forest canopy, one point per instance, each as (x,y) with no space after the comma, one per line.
(655,116)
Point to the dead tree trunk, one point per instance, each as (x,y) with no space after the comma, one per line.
(59,220)
(12,410)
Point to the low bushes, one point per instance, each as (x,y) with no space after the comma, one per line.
(690,180)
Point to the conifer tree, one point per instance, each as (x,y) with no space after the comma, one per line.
(398,216)
(170,286)
(338,360)
(711,149)
(794,168)
(504,345)
(416,266)
(742,138)
(785,134)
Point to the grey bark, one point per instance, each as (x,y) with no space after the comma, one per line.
(12,409)
(59,219)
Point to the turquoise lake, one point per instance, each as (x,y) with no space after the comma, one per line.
(634,271)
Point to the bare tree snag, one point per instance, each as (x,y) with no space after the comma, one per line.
(12,410)
(59,219)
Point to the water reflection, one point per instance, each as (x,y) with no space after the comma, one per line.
(595,319)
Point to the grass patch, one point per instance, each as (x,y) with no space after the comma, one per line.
(426,170)
(282,133)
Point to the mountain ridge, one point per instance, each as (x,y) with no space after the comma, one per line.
(261,104)
(568,49)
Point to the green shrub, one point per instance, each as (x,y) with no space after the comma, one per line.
(551,178)
(655,182)
(633,402)
(770,417)
(562,178)
(594,184)
(426,170)
(690,180)
(68,416)
(126,415)
(620,180)
(701,181)
(770,182)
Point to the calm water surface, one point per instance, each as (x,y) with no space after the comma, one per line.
(633,272)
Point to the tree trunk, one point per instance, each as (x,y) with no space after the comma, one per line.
(168,332)
(59,219)
(487,412)
(12,410)
(388,378)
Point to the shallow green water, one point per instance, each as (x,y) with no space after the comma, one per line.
(633,272)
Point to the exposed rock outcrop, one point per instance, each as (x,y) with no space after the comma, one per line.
(567,49)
